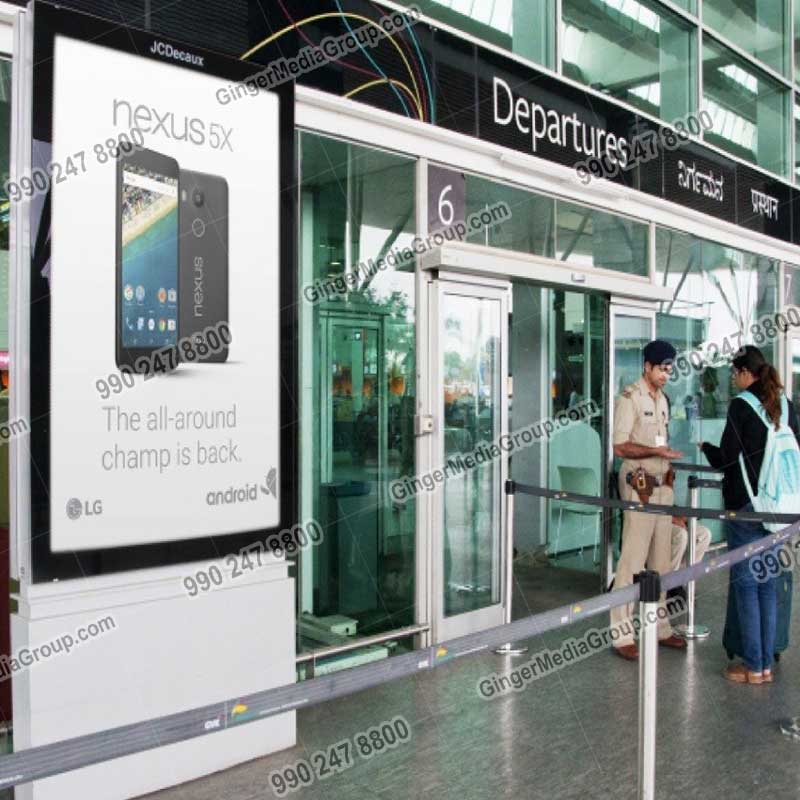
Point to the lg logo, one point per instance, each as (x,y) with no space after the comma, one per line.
(77,508)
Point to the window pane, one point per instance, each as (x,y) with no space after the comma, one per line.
(590,238)
(750,111)
(635,51)
(757,26)
(358,388)
(797,140)
(525,27)
(719,294)
(530,228)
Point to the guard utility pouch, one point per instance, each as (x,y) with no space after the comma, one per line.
(642,483)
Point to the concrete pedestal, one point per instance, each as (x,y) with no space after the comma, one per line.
(161,652)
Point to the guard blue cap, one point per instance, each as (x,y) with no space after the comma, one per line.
(658,351)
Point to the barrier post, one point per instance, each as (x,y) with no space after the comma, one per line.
(649,594)
(691,630)
(509,648)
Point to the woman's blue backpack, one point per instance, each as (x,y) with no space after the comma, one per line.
(779,478)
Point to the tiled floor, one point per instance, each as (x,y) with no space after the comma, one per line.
(572,734)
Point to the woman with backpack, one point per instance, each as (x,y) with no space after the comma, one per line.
(759,443)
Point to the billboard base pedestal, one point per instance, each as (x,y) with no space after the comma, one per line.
(155,651)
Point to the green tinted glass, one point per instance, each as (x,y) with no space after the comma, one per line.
(759,27)
(750,110)
(634,51)
(357,373)
(524,27)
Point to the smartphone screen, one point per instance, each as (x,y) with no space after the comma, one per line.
(148,282)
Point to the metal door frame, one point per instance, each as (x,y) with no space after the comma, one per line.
(618,307)
(444,628)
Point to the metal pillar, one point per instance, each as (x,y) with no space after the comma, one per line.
(509,648)
(691,630)
(649,593)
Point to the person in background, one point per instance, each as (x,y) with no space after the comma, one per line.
(745,434)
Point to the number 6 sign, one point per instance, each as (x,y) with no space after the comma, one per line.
(447,198)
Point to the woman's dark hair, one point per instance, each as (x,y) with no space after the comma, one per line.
(752,359)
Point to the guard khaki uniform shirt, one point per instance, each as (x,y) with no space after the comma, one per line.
(642,419)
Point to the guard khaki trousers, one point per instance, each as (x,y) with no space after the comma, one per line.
(646,539)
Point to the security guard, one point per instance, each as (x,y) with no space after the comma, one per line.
(641,422)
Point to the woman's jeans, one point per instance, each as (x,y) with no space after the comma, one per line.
(756,602)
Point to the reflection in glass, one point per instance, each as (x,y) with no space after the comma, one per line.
(719,293)
(530,228)
(796,107)
(591,238)
(750,110)
(357,381)
(758,27)
(636,51)
(524,27)
(471,331)
(558,360)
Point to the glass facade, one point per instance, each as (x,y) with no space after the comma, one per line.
(358,388)
(719,294)
(524,27)
(645,53)
(635,51)
(758,27)
(588,237)
(542,226)
(750,110)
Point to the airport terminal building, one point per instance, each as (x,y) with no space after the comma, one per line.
(387,239)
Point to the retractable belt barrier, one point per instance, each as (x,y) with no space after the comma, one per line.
(512,487)
(82,751)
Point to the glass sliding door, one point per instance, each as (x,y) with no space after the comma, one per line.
(559,360)
(469,548)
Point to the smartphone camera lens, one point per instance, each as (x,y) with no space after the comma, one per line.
(198,198)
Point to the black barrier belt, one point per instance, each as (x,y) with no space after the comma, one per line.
(703,483)
(512,487)
(44,761)
(686,467)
